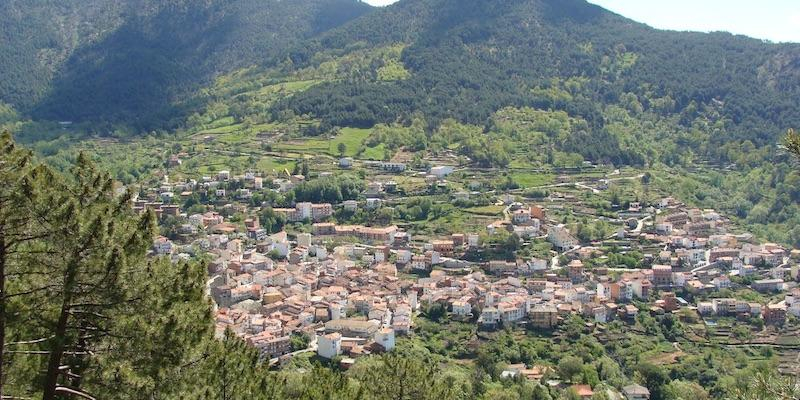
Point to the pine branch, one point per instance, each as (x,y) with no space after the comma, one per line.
(29,341)
(29,292)
(76,392)
(47,353)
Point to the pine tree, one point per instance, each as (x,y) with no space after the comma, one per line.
(14,221)
(86,315)
(99,242)
(398,377)
(768,386)
(322,383)
(235,370)
(155,340)
(26,208)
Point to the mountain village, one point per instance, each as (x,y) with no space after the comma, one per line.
(352,290)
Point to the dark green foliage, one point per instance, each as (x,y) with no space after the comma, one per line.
(570,367)
(397,377)
(162,333)
(459,71)
(416,209)
(271,221)
(768,386)
(127,61)
(236,370)
(435,312)
(82,299)
(654,378)
(300,341)
(328,190)
(16,221)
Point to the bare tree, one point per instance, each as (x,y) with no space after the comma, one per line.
(792,143)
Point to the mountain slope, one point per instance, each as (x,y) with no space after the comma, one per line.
(128,60)
(38,36)
(469,58)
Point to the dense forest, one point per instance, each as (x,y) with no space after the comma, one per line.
(467,60)
(130,61)
(136,62)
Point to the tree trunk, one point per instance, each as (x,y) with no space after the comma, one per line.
(60,334)
(2,307)
(56,352)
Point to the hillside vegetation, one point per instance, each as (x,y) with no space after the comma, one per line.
(512,84)
(130,61)
(470,59)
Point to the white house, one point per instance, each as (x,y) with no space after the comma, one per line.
(462,308)
(350,205)
(678,279)
(167,197)
(441,171)
(560,237)
(373,203)
(319,251)
(392,166)
(338,311)
(162,246)
(721,282)
(532,266)
(635,392)
(385,338)
(511,311)
(521,216)
(404,256)
(489,316)
(600,315)
(706,308)
(664,228)
(793,301)
(280,247)
(329,346)
(418,263)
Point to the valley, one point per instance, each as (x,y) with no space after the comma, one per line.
(438,199)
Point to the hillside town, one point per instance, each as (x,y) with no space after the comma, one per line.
(351,290)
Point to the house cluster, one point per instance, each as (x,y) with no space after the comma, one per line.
(351,306)
(524,221)
(536,373)
(350,299)
(306,212)
(701,256)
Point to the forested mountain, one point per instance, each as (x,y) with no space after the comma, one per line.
(135,61)
(128,60)
(470,58)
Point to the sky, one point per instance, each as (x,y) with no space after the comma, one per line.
(774,20)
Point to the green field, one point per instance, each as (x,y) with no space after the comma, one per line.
(485,210)
(532,179)
(290,86)
(277,165)
(373,153)
(352,138)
